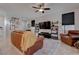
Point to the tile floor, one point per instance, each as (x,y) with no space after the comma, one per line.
(6,48)
(50,47)
(56,47)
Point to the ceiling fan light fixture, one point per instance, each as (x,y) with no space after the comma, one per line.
(41,10)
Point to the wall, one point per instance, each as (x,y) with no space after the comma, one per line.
(77,19)
(2,24)
(47,17)
(54,16)
(58,16)
(76,26)
(64,29)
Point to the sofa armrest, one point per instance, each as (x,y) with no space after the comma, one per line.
(63,34)
(40,41)
(38,45)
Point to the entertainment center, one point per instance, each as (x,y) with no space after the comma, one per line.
(49,29)
(45,34)
(48,25)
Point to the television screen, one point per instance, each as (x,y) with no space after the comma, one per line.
(41,25)
(45,25)
(68,18)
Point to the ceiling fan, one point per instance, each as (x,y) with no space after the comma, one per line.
(40,8)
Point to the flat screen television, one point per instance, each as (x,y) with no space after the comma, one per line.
(45,25)
(68,18)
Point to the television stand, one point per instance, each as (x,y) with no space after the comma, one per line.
(45,34)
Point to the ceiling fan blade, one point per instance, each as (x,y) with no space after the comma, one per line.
(35,7)
(42,11)
(36,10)
(46,8)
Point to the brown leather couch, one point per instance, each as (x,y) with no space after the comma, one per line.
(71,37)
(16,41)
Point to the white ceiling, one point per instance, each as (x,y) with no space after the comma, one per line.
(26,10)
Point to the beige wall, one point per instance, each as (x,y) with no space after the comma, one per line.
(77,19)
(2,24)
(58,16)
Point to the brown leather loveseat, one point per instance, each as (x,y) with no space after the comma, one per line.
(71,37)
